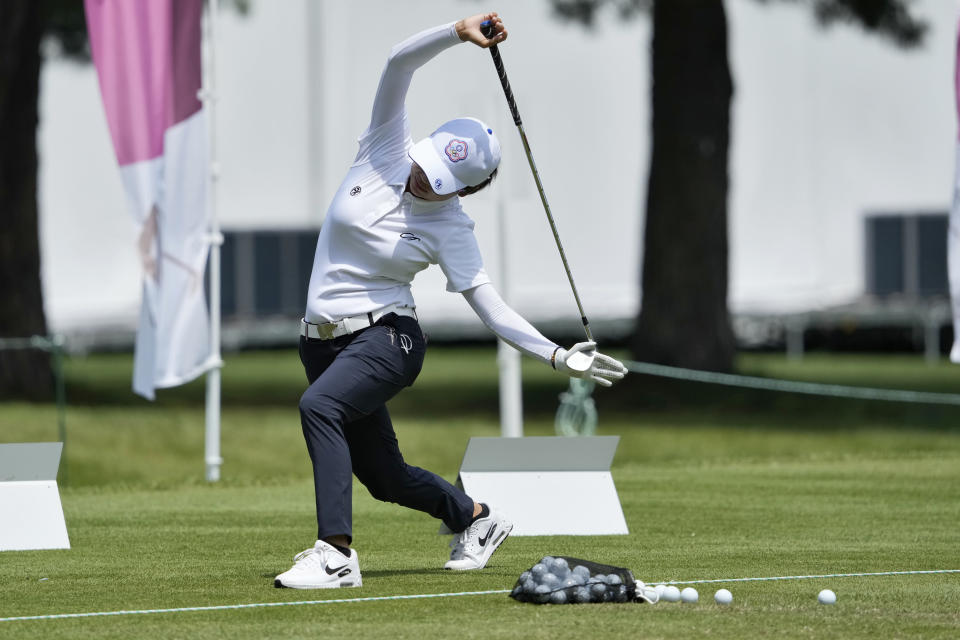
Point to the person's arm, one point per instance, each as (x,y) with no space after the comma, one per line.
(414,52)
(581,361)
(508,324)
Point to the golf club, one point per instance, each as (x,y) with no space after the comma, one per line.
(486,28)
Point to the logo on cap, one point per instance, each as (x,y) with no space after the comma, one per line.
(438,183)
(456,150)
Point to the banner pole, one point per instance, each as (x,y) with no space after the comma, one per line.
(212,431)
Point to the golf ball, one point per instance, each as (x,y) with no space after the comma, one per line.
(560,566)
(689,595)
(558,597)
(597,589)
(826,597)
(538,570)
(723,596)
(570,581)
(542,593)
(670,594)
(581,594)
(581,571)
(659,589)
(550,580)
(613,579)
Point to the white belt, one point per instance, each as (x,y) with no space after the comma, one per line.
(352,324)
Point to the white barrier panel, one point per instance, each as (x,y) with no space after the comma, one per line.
(546,486)
(31,516)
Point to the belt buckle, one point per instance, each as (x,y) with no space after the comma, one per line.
(327,330)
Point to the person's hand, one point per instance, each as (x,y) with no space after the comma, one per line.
(469,30)
(583,360)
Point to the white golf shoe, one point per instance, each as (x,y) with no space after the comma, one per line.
(321,567)
(472,548)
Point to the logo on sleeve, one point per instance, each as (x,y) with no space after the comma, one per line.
(355,190)
(456,150)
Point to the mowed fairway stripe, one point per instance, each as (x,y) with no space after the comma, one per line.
(226,607)
(825,575)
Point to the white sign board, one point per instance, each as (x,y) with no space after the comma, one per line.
(31,516)
(546,485)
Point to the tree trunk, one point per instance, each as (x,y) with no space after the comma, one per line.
(23,373)
(684,319)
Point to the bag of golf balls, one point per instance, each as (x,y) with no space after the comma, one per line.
(565,580)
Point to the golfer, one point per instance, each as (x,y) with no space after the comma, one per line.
(397,212)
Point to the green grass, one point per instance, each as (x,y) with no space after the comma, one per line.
(714,483)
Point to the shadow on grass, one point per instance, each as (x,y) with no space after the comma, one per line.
(384,573)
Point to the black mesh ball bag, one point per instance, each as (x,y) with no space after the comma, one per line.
(566,580)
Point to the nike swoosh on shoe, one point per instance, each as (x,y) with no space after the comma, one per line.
(483,539)
(332,571)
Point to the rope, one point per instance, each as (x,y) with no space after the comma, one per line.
(228,607)
(793,386)
(826,575)
(33,342)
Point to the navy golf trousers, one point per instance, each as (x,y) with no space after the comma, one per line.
(348,430)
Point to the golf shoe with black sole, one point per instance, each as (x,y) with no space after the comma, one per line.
(322,566)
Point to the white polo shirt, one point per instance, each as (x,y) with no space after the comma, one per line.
(376,238)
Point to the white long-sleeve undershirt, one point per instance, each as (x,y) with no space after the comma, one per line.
(508,324)
(404,59)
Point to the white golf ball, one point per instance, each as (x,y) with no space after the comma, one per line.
(542,593)
(670,594)
(826,597)
(558,597)
(597,589)
(689,595)
(582,571)
(659,589)
(723,596)
(550,580)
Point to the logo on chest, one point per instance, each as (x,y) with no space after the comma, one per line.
(406,235)
(355,190)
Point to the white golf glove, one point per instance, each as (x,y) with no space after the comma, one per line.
(583,360)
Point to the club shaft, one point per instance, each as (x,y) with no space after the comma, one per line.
(512,103)
(553,228)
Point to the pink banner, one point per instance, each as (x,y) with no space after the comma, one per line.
(147,54)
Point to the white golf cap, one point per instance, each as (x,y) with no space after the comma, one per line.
(460,153)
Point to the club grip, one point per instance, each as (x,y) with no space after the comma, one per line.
(486,28)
